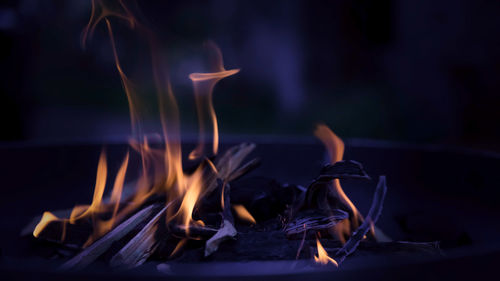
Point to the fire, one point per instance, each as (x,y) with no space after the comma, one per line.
(47,217)
(161,164)
(204,84)
(243,214)
(322,257)
(335,147)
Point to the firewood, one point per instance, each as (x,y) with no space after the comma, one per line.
(370,220)
(139,248)
(315,222)
(227,230)
(301,243)
(195,231)
(320,194)
(94,251)
(226,165)
(344,169)
(244,169)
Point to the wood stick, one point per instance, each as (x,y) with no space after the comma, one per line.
(344,169)
(244,169)
(90,254)
(142,246)
(315,222)
(203,232)
(227,230)
(226,165)
(301,243)
(370,220)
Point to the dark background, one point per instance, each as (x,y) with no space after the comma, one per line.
(416,71)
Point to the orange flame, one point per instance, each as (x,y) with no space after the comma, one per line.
(204,84)
(161,166)
(335,148)
(243,214)
(322,257)
(47,217)
(97,206)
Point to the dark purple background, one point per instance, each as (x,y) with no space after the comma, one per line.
(418,71)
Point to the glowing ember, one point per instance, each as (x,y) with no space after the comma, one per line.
(322,257)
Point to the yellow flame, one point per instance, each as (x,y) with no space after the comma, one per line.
(161,165)
(335,147)
(47,217)
(204,84)
(322,257)
(102,171)
(243,214)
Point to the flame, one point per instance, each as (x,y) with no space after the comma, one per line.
(204,84)
(47,217)
(102,171)
(335,147)
(161,171)
(243,214)
(322,257)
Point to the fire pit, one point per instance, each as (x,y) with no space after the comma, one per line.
(287,208)
(430,199)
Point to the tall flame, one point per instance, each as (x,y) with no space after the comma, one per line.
(204,84)
(161,165)
(335,147)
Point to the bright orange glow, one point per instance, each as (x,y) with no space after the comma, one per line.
(335,148)
(193,187)
(243,213)
(322,257)
(204,84)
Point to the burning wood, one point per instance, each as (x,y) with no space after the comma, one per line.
(139,248)
(367,225)
(173,212)
(314,222)
(98,248)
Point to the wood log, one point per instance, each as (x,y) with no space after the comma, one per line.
(94,251)
(312,221)
(142,246)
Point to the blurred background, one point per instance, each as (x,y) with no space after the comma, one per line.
(415,71)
